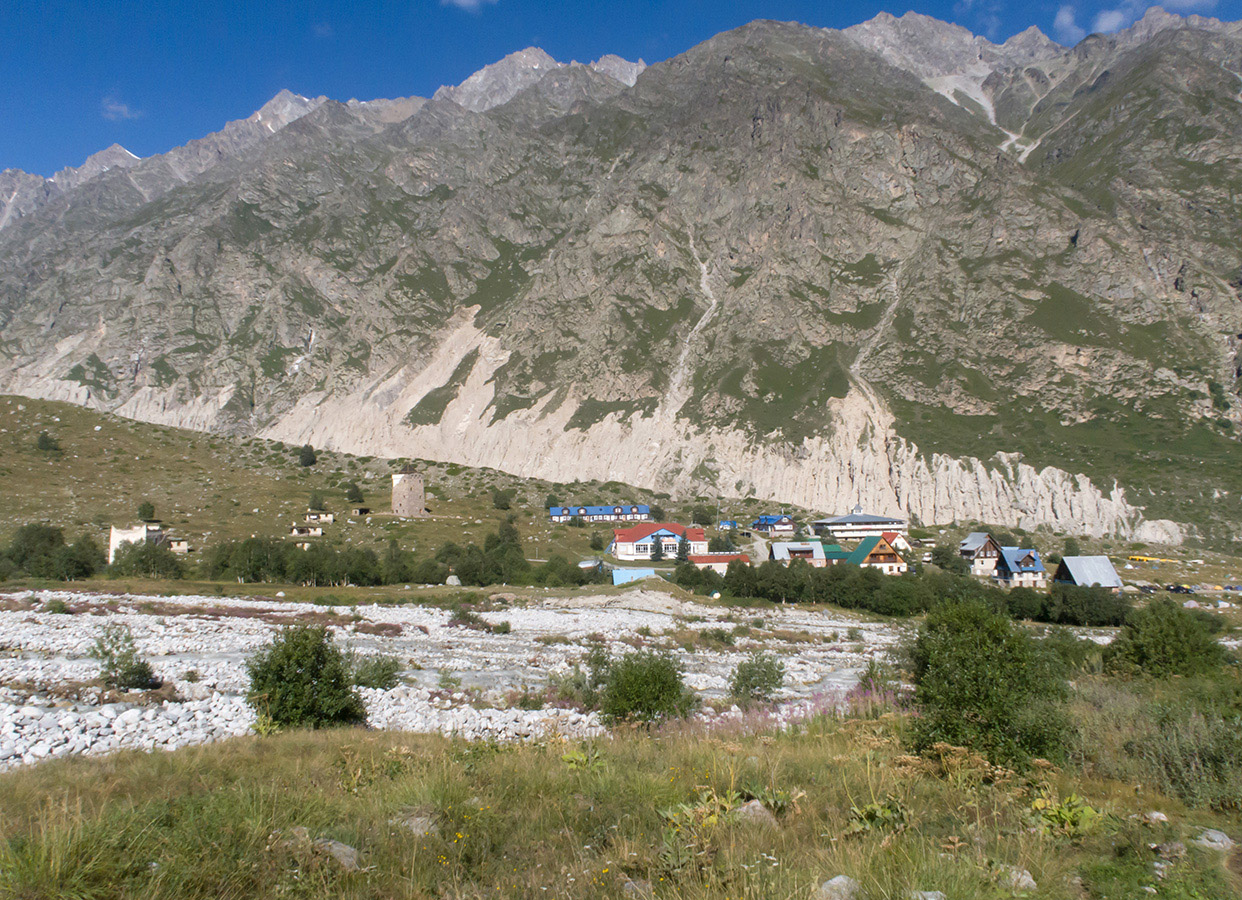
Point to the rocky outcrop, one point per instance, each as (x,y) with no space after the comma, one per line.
(501,81)
(114,157)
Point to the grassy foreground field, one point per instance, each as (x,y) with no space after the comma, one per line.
(633,815)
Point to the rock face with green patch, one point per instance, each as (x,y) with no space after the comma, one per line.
(779,226)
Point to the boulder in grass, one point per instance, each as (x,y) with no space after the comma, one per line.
(345,855)
(755,811)
(840,888)
(1211,839)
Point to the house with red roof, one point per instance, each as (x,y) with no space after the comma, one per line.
(897,541)
(718,562)
(639,541)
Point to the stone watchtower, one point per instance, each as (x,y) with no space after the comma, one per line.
(409,495)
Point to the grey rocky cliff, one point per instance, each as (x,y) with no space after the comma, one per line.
(622,70)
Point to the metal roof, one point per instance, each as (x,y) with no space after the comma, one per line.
(858,517)
(859,554)
(641,532)
(1087,571)
(770,520)
(973,541)
(627,509)
(1011,560)
(781,549)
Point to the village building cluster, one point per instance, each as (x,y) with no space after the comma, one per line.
(857,538)
(1022,567)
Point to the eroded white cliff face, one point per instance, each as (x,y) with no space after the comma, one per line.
(862,461)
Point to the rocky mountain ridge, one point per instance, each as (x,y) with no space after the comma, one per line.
(790,263)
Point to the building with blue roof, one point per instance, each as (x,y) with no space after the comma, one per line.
(620,513)
(772,525)
(1020,567)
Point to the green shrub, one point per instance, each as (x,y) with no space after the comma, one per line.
(1163,639)
(307,456)
(120,666)
(353,493)
(316,503)
(983,682)
(756,680)
(378,671)
(501,499)
(47,443)
(302,678)
(1076,654)
(950,560)
(144,559)
(643,686)
(58,607)
(146,511)
(1024,603)
(1068,604)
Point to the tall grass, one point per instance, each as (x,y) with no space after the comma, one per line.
(552,819)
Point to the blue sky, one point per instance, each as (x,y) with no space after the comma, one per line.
(79,75)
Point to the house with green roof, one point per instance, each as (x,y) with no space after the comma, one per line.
(877,553)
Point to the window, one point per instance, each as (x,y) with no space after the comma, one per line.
(643,548)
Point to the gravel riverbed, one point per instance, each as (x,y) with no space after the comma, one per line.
(454,680)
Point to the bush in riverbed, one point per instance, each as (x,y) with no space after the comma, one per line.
(643,686)
(756,680)
(120,666)
(378,671)
(302,678)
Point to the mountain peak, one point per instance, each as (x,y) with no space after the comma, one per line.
(931,48)
(284,108)
(112,157)
(621,69)
(501,81)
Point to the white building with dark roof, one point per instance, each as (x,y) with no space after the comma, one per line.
(858,525)
(982,551)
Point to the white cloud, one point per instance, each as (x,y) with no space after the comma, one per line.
(472,6)
(1189,5)
(1109,20)
(322,30)
(1065,27)
(114,110)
